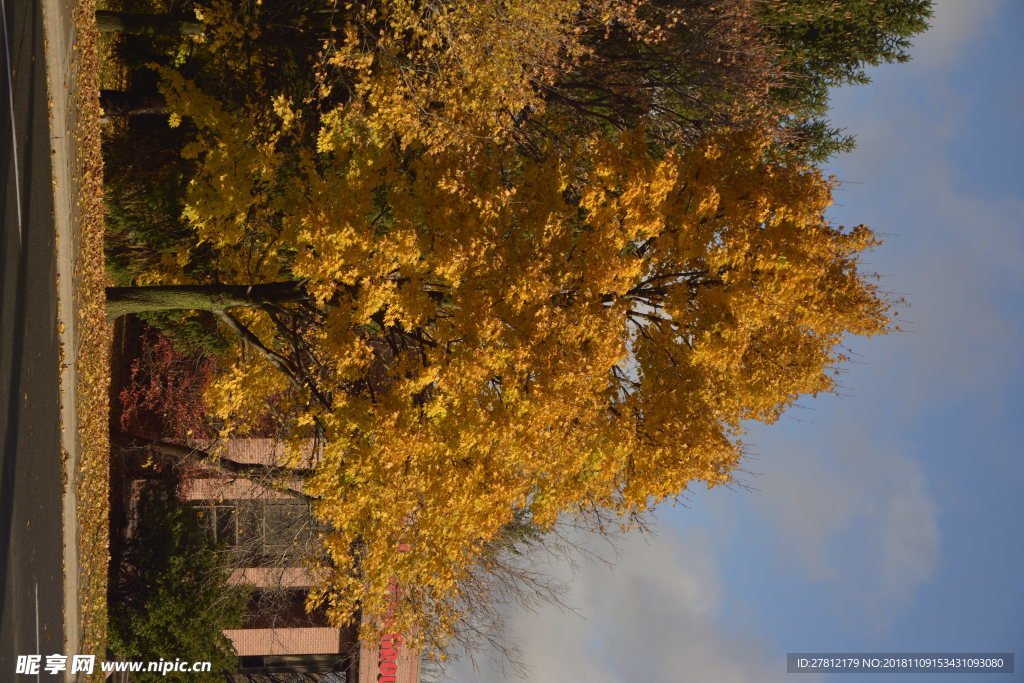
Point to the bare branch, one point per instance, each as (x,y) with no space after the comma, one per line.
(269,475)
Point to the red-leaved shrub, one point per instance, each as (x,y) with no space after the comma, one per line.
(164,396)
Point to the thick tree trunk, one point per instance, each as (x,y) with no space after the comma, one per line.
(121,103)
(147,24)
(215,298)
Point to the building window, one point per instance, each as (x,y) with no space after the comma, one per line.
(258,528)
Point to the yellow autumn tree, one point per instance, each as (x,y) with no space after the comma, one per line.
(473,335)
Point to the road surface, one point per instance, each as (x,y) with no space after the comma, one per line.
(31,574)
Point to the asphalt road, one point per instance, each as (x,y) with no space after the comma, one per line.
(31,600)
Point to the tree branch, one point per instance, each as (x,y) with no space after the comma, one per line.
(276,359)
(264,475)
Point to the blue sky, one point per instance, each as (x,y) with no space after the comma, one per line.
(888,518)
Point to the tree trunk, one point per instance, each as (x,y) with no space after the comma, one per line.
(214,298)
(147,24)
(121,103)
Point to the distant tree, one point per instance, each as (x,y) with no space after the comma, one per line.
(825,44)
(460,70)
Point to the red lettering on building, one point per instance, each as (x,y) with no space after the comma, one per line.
(387,652)
(387,659)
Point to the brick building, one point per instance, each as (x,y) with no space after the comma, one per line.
(262,526)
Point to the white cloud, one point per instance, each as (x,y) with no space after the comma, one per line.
(956,22)
(865,524)
(808,503)
(909,547)
(650,617)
